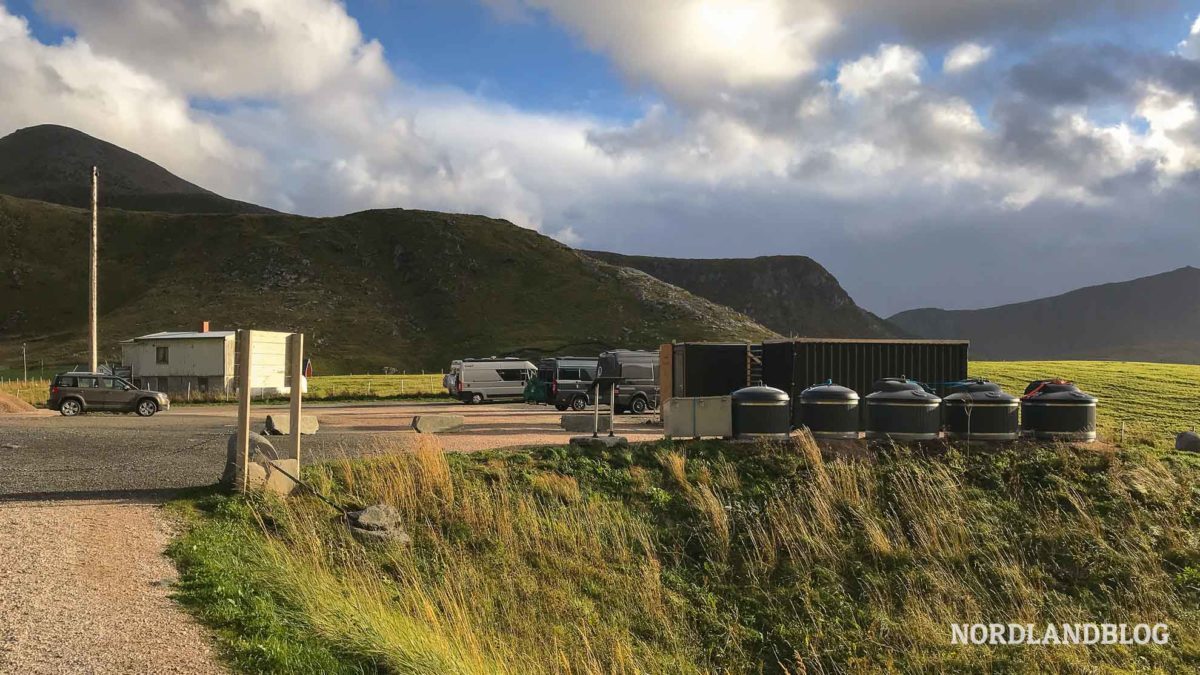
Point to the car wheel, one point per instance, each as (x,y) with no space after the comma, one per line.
(579,403)
(70,408)
(146,407)
(560,407)
(637,406)
(476,398)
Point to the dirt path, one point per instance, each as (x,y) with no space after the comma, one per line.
(84,588)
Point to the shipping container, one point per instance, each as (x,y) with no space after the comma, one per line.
(705,368)
(796,364)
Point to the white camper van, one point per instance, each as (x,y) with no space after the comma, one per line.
(479,380)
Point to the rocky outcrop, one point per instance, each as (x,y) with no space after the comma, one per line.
(791,295)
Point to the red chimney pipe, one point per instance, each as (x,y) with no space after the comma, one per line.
(203,326)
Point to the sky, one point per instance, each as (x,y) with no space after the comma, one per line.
(947,153)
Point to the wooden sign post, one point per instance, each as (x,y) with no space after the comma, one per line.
(243,384)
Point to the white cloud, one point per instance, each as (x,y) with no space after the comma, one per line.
(1190,46)
(230,48)
(70,84)
(892,71)
(965,57)
(698,48)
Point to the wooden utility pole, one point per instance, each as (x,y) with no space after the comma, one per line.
(93,360)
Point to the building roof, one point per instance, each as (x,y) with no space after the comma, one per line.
(183,335)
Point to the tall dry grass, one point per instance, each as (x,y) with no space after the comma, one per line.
(709,557)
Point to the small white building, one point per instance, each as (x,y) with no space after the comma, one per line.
(204,362)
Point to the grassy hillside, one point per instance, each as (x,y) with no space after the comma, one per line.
(54,164)
(790,294)
(1155,318)
(706,557)
(407,289)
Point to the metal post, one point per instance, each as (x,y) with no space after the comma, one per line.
(296,344)
(25,361)
(243,428)
(596,413)
(612,408)
(92,274)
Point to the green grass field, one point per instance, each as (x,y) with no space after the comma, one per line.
(1154,401)
(31,391)
(331,387)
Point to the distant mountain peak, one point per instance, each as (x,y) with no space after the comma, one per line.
(53,163)
(790,294)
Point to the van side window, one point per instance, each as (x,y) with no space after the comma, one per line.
(568,373)
(588,374)
(637,371)
(512,374)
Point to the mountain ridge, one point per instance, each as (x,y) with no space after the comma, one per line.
(1151,318)
(407,289)
(790,294)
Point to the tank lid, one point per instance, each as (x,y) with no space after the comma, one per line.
(1071,396)
(904,395)
(978,391)
(1040,387)
(761,393)
(828,391)
(901,383)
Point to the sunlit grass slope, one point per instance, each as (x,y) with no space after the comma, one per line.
(706,557)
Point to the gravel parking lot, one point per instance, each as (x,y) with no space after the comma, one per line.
(46,455)
(84,586)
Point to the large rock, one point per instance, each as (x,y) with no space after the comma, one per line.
(1188,441)
(380,523)
(260,451)
(430,424)
(265,470)
(584,422)
(280,424)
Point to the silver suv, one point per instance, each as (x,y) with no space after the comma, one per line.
(76,393)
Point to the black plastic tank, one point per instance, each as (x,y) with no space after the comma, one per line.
(761,412)
(901,410)
(1056,410)
(979,410)
(829,411)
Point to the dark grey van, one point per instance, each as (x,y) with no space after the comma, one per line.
(638,388)
(569,379)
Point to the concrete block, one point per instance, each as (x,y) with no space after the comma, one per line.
(431,424)
(280,424)
(277,481)
(600,441)
(584,422)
